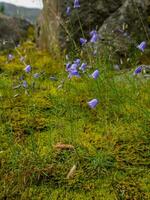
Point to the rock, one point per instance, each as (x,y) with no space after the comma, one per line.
(11,31)
(56,29)
(120,23)
(126,28)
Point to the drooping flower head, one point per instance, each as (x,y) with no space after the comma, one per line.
(68,65)
(73,67)
(27,68)
(76,4)
(68,11)
(138,70)
(95,74)
(142,46)
(73,73)
(24,84)
(77,61)
(93,32)
(83,67)
(83,41)
(93,103)
(94,38)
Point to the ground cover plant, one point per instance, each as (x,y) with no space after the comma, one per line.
(72,127)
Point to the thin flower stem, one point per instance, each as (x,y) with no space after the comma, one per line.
(146,33)
(80,24)
(18,52)
(64,27)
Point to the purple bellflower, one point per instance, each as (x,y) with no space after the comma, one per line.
(83,41)
(142,46)
(68,65)
(68,11)
(27,68)
(94,38)
(73,73)
(76,4)
(95,74)
(93,33)
(93,103)
(138,70)
(73,67)
(77,61)
(83,67)
(24,84)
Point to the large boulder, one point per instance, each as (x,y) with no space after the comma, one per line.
(126,28)
(56,29)
(12,30)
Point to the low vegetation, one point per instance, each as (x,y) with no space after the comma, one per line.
(54,146)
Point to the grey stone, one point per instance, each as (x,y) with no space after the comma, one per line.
(122,23)
(56,29)
(11,31)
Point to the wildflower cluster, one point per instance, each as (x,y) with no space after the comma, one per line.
(76,68)
(23,83)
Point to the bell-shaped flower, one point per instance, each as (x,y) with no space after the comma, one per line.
(77,61)
(138,70)
(83,41)
(94,38)
(73,73)
(73,67)
(93,32)
(142,46)
(24,84)
(95,74)
(27,68)
(83,67)
(76,4)
(93,103)
(68,65)
(68,11)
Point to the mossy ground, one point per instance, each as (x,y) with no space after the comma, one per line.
(111,143)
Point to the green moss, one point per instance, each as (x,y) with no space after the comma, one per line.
(111,143)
